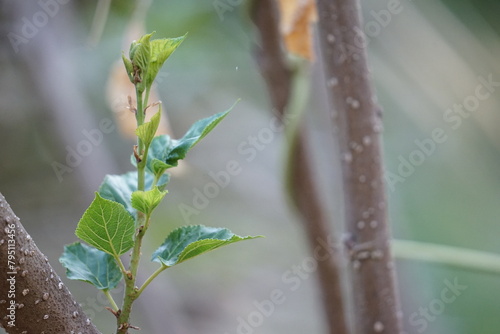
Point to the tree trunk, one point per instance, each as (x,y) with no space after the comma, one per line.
(32,296)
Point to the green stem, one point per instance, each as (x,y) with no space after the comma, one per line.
(141,170)
(111,300)
(151,278)
(146,99)
(131,291)
(453,256)
(120,264)
(146,224)
(140,178)
(155,180)
(130,294)
(139,116)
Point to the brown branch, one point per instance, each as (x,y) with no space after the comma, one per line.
(42,303)
(305,197)
(304,194)
(358,120)
(269,54)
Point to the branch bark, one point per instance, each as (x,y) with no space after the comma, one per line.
(358,120)
(42,303)
(278,77)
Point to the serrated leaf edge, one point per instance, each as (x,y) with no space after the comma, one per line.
(79,230)
(68,270)
(182,255)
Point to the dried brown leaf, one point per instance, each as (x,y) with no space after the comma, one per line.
(297,17)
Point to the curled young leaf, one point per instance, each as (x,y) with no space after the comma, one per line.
(147,57)
(128,67)
(119,188)
(147,131)
(140,52)
(161,49)
(147,201)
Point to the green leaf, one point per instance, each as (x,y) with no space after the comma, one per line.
(128,67)
(147,201)
(119,188)
(140,52)
(197,132)
(165,152)
(161,183)
(157,154)
(147,131)
(140,57)
(85,263)
(107,226)
(161,49)
(187,242)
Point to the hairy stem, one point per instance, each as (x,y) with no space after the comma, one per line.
(357,119)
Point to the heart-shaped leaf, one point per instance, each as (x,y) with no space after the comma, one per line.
(147,131)
(85,263)
(119,188)
(147,201)
(161,49)
(187,242)
(107,226)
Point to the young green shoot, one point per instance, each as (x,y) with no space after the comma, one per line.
(121,212)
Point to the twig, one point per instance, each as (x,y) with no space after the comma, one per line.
(376,300)
(304,194)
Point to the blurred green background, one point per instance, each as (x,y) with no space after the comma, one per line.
(426,57)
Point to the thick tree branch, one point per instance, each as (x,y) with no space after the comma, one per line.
(358,121)
(42,303)
(278,77)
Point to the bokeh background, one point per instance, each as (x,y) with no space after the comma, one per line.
(425,58)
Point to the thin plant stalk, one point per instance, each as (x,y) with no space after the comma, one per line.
(131,291)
